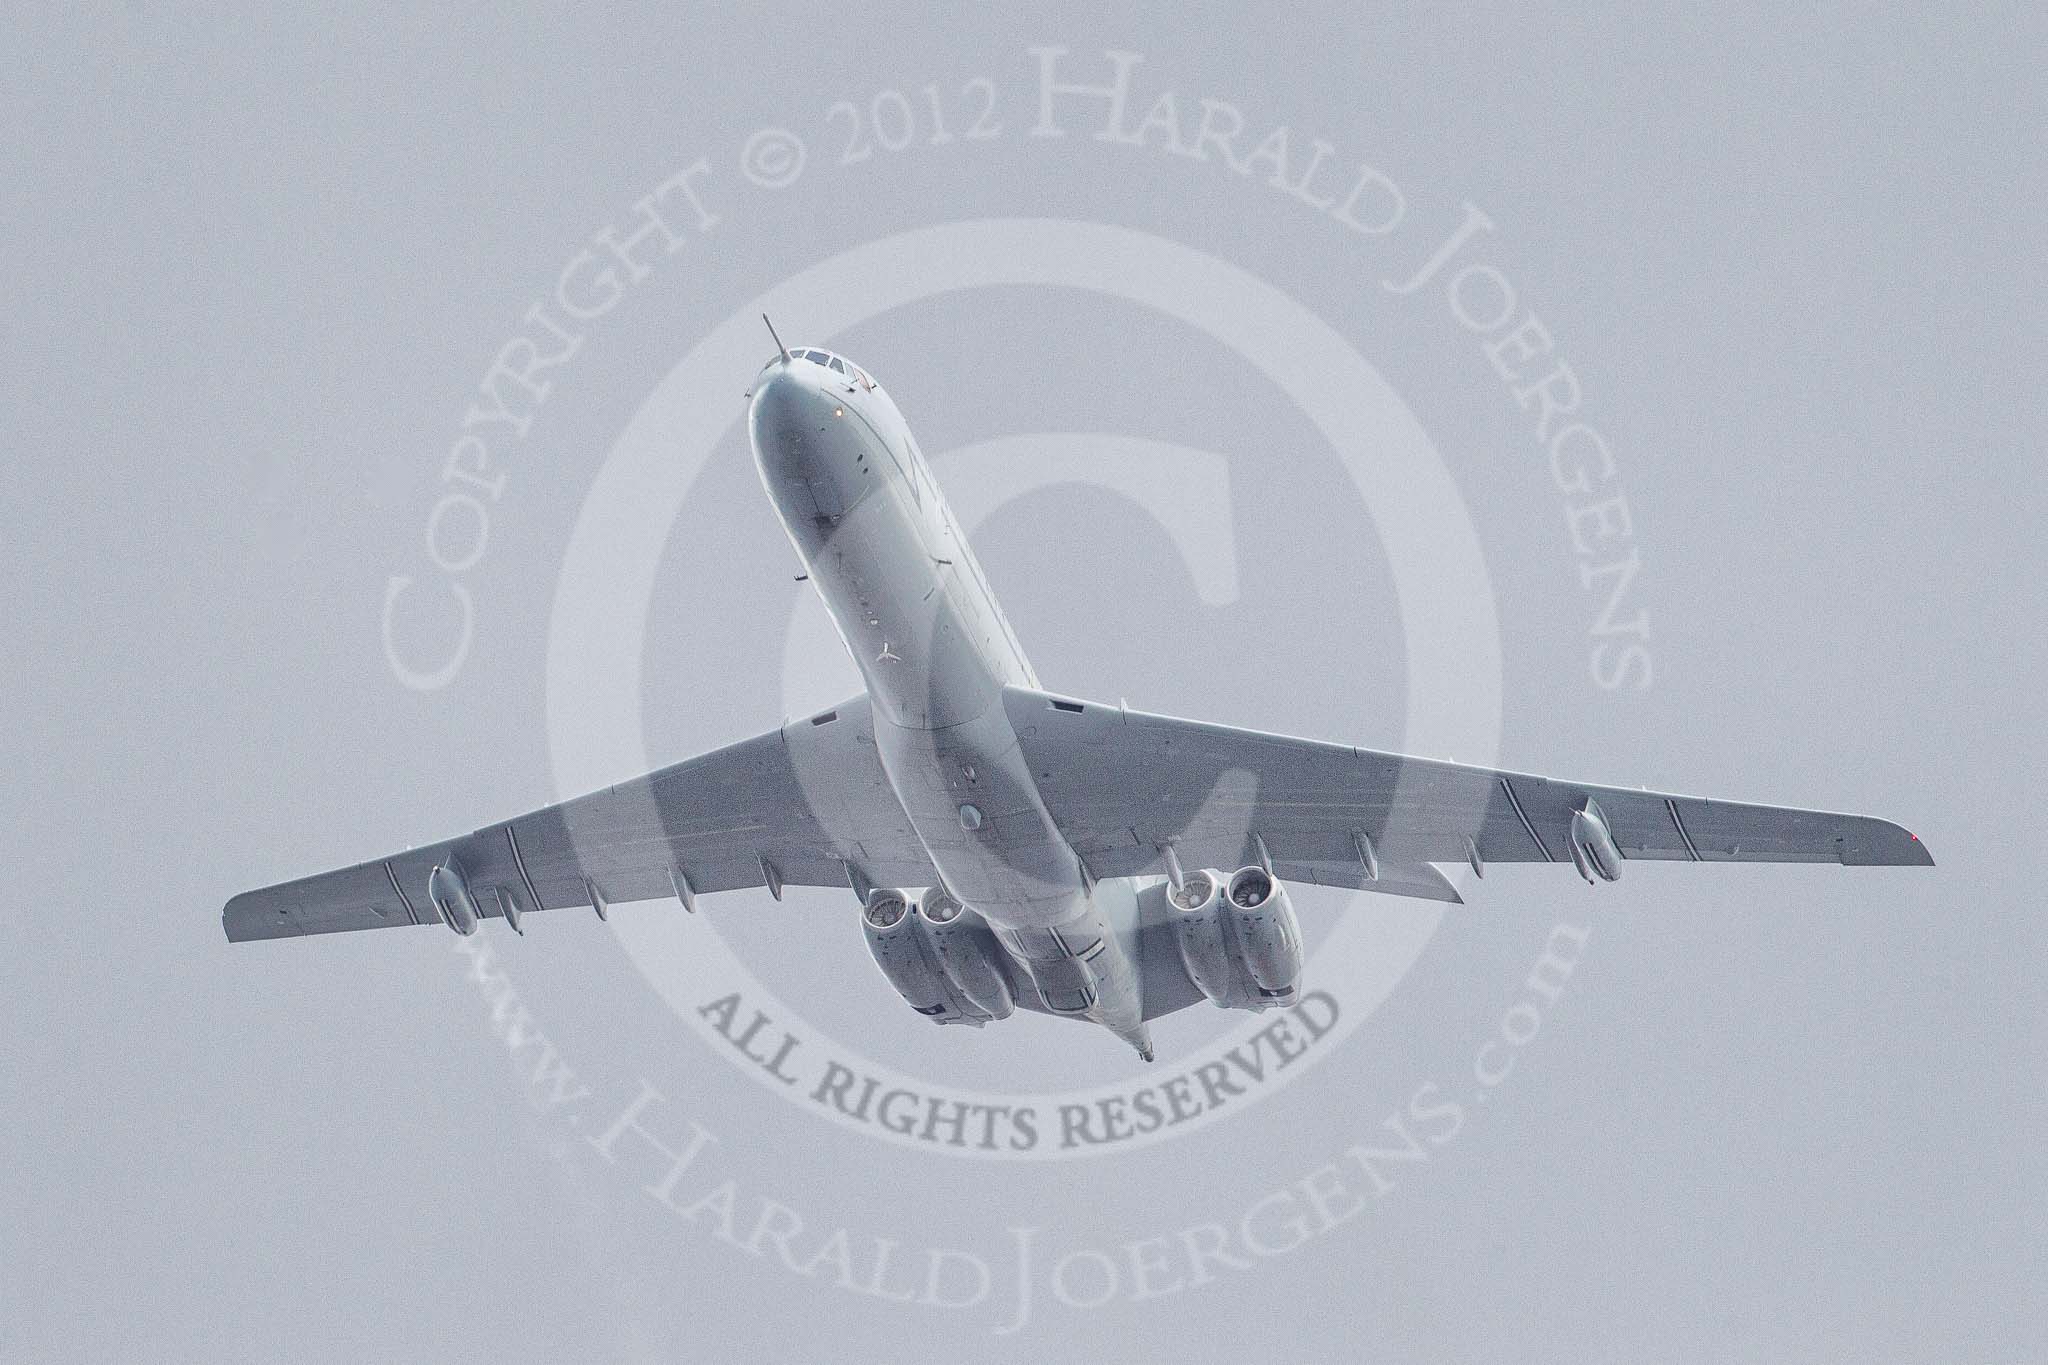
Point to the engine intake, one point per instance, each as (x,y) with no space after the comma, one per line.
(1238,939)
(885,909)
(941,957)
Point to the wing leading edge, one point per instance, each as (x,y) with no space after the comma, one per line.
(806,805)
(1124,786)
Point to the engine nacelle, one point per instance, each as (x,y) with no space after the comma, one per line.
(1238,938)
(1268,936)
(941,958)
(1206,946)
(966,953)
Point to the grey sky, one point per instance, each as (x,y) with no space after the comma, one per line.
(259,267)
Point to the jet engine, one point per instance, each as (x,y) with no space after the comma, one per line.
(1238,937)
(940,956)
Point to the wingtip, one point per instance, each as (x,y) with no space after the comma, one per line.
(1913,852)
(232,921)
(245,919)
(1887,845)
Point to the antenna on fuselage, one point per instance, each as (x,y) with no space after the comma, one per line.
(778,340)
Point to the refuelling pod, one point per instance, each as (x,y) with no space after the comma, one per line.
(1268,936)
(1057,966)
(449,892)
(1593,847)
(964,950)
(899,941)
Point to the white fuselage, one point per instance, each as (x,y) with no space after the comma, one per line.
(917,615)
(908,598)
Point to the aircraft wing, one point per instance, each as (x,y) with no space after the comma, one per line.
(805,805)
(1123,786)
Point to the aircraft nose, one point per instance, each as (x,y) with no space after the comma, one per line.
(784,393)
(788,408)
(778,404)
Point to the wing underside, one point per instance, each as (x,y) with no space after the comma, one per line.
(806,805)
(1125,786)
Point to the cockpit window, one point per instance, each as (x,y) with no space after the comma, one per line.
(833,362)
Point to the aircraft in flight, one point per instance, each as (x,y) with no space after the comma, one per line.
(1014,848)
